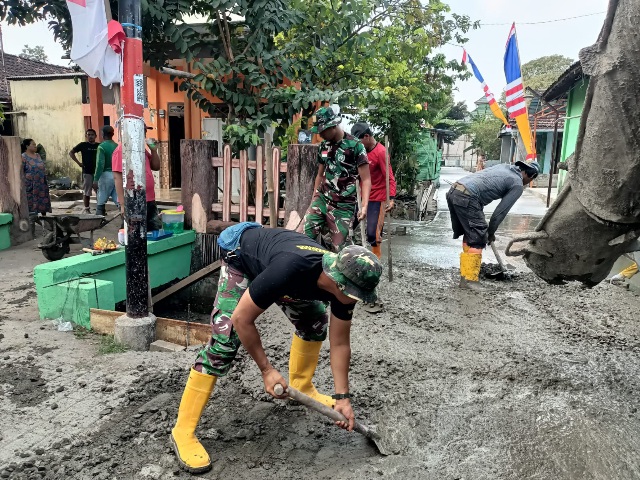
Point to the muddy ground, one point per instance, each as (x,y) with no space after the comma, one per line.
(527,381)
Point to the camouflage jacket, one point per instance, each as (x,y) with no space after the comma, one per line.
(341,161)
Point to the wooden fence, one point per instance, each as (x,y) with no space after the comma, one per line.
(255,169)
(208,203)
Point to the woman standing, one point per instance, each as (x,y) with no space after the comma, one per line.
(35,179)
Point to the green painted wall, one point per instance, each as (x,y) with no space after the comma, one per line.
(68,285)
(575,104)
(5,228)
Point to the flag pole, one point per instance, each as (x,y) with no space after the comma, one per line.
(136,329)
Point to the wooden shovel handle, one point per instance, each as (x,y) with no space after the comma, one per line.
(309,402)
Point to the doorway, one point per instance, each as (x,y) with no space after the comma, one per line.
(176,133)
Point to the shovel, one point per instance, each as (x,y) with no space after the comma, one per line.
(309,402)
(505,271)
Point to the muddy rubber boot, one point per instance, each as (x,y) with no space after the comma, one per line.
(470,270)
(471,285)
(303,360)
(192,456)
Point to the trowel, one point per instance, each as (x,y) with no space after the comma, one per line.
(309,402)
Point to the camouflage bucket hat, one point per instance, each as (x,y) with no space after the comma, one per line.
(325,118)
(356,270)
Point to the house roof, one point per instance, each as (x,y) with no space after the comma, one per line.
(51,76)
(543,117)
(565,82)
(15,66)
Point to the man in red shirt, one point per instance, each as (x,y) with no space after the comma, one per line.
(152,160)
(378,196)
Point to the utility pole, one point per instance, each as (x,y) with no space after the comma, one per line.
(136,329)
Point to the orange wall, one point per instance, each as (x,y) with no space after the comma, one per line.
(161,92)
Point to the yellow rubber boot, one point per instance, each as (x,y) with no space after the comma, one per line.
(465,247)
(191,454)
(303,360)
(470,270)
(630,271)
(377,250)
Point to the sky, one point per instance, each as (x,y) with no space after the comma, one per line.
(486,45)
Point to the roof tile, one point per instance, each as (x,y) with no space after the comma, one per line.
(15,66)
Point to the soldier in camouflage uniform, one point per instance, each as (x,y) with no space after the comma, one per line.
(275,265)
(342,159)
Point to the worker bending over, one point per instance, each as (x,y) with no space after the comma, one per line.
(466,200)
(262,266)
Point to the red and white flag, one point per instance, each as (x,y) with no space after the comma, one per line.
(96,45)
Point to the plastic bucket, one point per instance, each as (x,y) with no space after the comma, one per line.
(173,221)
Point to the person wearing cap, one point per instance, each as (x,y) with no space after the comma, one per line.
(103,181)
(260,267)
(466,200)
(377,154)
(152,163)
(342,159)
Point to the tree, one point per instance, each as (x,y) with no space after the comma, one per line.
(540,73)
(34,53)
(386,46)
(270,59)
(484,136)
(459,111)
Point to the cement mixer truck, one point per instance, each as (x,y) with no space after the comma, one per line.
(596,217)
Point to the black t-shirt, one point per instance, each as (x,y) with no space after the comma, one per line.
(280,263)
(88,151)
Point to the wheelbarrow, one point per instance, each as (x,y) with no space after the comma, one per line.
(63,230)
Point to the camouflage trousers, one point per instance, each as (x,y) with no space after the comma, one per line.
(336,217)
(309,317)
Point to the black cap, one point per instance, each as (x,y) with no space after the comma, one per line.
(360,129)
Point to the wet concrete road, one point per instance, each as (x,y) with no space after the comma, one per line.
(431,243)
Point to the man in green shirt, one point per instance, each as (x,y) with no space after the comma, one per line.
(103,176)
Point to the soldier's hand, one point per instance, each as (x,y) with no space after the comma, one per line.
(271,377)
(344,407)
(492,238)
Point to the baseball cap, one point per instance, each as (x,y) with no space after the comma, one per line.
(360,129)
(356,270)
(532,169)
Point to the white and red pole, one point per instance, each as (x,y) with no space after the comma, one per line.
(132,97)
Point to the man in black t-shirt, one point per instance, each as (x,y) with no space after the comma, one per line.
(287,268)
(88,151)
